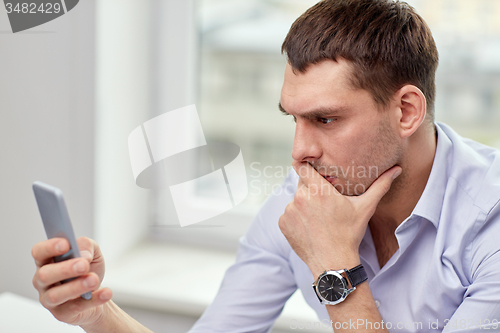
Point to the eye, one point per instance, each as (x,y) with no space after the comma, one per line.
(287,114)
(326,120)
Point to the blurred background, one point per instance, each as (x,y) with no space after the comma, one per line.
(73,89)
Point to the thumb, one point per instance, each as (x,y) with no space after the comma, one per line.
(380,186)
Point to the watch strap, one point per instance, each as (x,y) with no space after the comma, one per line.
(357,275)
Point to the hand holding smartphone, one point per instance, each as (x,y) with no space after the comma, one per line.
(56,221)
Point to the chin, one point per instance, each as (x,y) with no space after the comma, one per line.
(350,188)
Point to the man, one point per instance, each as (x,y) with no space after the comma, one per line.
(381,198)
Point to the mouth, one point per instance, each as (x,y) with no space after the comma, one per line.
(330,179)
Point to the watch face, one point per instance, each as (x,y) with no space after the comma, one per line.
(331,287)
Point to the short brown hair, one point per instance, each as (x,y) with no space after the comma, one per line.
(387,42)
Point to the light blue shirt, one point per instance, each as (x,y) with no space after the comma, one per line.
(446,270)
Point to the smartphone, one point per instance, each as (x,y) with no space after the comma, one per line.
(56,221)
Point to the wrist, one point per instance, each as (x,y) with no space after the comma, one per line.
(335,264)
(333,286)
(114,320)
(101,323)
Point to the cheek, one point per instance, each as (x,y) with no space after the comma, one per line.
(380,153)
(345,146)
(352,145)
(364,142)
(366,154)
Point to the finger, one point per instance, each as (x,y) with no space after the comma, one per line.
(44,251)
(91,251)
(380,186)
(303,189)
(50,274)
(86,247)
(60,294)
(300,184)
(308,174)
(68,311)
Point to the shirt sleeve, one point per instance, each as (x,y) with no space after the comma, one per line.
(256,287)
(480,308)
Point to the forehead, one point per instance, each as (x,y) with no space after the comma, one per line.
(322,85)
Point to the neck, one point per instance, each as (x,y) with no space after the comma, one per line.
(407,189)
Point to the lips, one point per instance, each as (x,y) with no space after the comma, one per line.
(330,179)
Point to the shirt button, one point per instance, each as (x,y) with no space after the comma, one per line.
(377,303)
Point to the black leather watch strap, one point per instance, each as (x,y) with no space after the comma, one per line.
(357,275)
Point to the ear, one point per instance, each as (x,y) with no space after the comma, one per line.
(412,105)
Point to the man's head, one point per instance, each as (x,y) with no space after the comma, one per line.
(387,43)
(359,79)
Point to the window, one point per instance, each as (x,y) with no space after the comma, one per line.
(224,56)
(240,72)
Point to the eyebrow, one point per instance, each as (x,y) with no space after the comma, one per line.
(315,114)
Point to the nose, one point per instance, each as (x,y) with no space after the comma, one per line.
(305,144)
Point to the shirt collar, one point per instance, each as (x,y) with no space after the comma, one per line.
(431,201)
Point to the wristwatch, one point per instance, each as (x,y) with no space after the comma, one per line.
(332,287)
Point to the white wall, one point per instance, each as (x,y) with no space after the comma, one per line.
(46,133)
(71,91)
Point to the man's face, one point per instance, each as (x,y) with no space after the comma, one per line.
(340,130)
